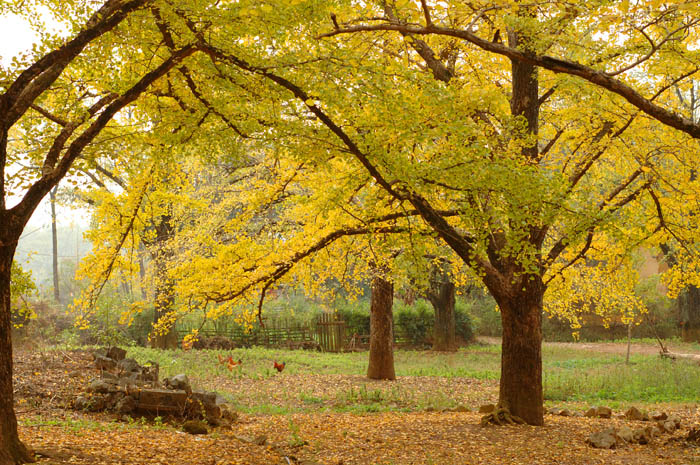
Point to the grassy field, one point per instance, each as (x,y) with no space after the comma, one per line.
(314,381)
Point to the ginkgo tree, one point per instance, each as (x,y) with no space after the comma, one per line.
(403,110)
(55,103)
(540,169)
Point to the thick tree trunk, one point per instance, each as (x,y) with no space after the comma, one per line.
(381,339)
(442,296)
(521,354)
(54,244)
(689,309)
(164,297)
(12,451)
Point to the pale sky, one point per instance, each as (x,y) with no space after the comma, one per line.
(16,36)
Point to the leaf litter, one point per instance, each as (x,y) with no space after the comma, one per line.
(46,383)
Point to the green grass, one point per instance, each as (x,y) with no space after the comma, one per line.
(480,362)
(80,426)
(648,379)
(569,375)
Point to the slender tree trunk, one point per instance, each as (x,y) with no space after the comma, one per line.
(442,297)
(142,277)
(12,451)
(521,353)
(629,343)
(381,333)
(54,243)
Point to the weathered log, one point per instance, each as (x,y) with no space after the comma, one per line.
(677,356)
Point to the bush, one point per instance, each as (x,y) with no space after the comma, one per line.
(464,327)
(356,316)
(484,313)
(46,324)
(412,322)
(415,322)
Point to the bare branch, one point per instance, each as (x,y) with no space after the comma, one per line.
(426,13)
(48,115)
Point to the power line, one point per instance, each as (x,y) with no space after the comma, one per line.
(31,232)
(43,254)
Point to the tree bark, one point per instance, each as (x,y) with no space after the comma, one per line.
(442,296)
(54,244)
(381,333)
(164,296)
(520,295)
(521,353)
(689,309)
(12,450)
(163,302)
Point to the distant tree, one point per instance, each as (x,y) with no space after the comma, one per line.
(381,342)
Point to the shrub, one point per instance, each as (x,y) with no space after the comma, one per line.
(484,313)
(356,316)
(415,322)
(464,327)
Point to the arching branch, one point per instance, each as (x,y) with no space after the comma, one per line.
(556,65)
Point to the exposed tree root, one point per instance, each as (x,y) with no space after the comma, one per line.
(693,436)
(16,454)
(501,417)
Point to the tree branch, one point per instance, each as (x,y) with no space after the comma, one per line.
(41,187)
(33,81)
(550,63)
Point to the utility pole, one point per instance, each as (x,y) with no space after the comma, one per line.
(54,243)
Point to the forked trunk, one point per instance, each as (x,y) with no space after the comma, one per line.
(521,354)
(381,339)
(442,297)
(12,451)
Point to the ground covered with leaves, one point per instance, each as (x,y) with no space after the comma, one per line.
(321,410)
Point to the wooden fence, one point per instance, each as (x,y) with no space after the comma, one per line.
(330,331)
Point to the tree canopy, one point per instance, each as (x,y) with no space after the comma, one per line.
(534,145)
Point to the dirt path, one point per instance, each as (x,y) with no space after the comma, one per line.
(611,347)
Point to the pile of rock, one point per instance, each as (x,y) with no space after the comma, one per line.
(615,437)
(126,387)
(598,412)
(611,437)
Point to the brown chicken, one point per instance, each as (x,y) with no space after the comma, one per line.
(229,362)
(279,366)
